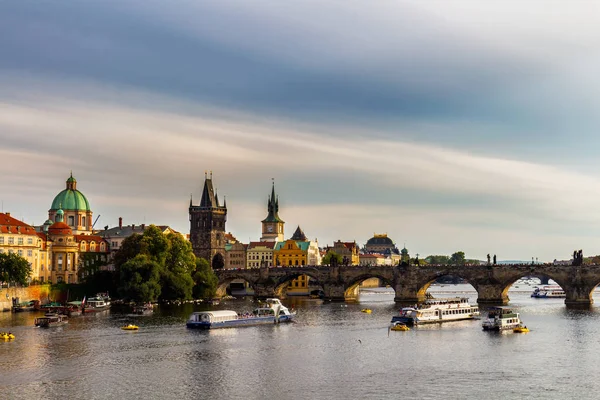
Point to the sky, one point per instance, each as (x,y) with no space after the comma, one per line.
(451,126)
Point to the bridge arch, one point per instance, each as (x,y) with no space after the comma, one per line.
(560,279)
(282,283)
(428,279)
(351,286)
(226,281)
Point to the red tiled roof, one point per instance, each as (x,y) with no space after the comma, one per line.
(269,245)
(60,228)
(9,224)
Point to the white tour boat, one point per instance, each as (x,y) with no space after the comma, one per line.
(438,310)
(273,313)
(548,292)
(501,319)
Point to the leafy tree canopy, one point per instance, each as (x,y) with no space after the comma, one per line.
(437,259)
(140,279)
(332,258)
(205,280)
(458,258)
(14,268)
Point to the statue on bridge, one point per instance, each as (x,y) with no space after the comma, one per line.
(494,259)
(577,258)
(488,258)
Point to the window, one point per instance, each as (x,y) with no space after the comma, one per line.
(59,279)
(29,253)
(2,240)
(30,241)
(1,251)
(71,220)
(20,252)
(20,240)
(83,221)
(11,240)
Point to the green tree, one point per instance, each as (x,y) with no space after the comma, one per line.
(437,259)
(332,258)
(130,247)
(140,279)
(14,268)
(180,263)
(205,280)
(458,258)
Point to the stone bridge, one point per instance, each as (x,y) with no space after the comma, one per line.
(411,282)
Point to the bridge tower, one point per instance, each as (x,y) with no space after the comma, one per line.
(272,226)
(207,226)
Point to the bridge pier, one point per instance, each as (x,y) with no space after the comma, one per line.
(334,292)
(492,294)
(578,296)
(408,295)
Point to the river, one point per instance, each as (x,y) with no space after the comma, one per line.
(333,351)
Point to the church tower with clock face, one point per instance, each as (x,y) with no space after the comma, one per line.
(272,226)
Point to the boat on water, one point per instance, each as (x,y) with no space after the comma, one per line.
(521,329)
(130,327)
(273,312)
(95,304)
(366,310)
(438,310)
(144,309)
(548,292)
(6,336)
(501,319)
(399,326)
(51,320)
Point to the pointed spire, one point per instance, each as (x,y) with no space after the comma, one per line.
(216,197)
(224,201)
(299,235)
(208,195)
(273,206)
(191,199)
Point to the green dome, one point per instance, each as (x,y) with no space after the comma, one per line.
(70,199)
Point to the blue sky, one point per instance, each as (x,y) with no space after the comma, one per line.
(450,126)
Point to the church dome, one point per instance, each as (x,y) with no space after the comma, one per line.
(71,199)
(380,240)
(60,228)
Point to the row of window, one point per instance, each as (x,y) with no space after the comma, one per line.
(19,252)
(20,240)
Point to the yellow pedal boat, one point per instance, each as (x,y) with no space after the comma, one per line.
(398,326)
(367,310)
(6,336)
(130,327)
(521,329)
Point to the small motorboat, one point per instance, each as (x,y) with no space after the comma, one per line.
(399,326)
(521,329)
(130,327)
(366,310)
(6,336)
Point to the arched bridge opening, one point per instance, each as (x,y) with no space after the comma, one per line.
(297,284)
(365,282)
(235,286)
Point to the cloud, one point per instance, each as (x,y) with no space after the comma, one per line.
(142,164)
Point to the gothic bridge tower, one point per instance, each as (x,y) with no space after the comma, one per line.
(207,226)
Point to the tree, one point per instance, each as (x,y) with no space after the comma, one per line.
(14,268)
(205,280)
(332,258)
(176,276)
(458,258)
(437,259)
(140,279)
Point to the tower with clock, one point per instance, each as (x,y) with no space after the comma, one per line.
(272,226)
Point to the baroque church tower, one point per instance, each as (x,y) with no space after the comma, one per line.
(272,226)
(207,226)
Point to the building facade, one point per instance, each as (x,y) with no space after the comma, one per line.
(22,239)
(207,226)
(235,255)
(260,254)
(347,250)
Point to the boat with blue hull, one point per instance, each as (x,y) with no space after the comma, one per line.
(274,312)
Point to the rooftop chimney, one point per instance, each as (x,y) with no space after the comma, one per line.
(120,222)
(8,214)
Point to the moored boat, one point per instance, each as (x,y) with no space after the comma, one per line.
(399,326)
(274,312)
(6,336)
(145,309)
(366,310)
(438,310)
(50,320)
(501,319)
(547,292)
(95,304)
(521,329)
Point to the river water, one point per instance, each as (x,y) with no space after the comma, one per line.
(333,351)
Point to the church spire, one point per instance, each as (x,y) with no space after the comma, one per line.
(273,206)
